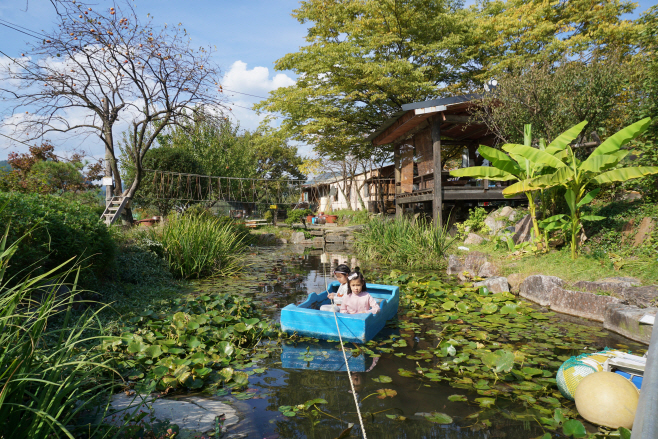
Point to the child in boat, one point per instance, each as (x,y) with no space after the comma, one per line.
(340,273)
(357,299)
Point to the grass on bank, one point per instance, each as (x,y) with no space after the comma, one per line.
(403,242)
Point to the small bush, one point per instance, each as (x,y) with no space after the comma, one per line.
(268,216)
(474,223)
(142,267)
(403,242)
(196,247)
(352,217)
(297,216)
(64,230)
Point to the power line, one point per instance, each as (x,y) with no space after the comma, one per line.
(18,30)
(14,26)
(246,94)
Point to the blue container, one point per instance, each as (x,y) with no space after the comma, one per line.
(636,379)
(306,318)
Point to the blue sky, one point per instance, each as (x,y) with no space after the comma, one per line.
(250,36)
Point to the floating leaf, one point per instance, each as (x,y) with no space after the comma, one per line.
(462,307)
(574,428)
(153,351)
(448,305)
(383,379)
(438,418)
(489,308)
(455,398)
(485,402)
(383,393)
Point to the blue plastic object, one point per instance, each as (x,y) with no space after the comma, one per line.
(303,319)
(636,379)
(324,356)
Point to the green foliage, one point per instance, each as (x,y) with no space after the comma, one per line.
(192,345)
(474,222)
(66,230)
(352,217)
(268,215)
(48,377)
(196,247)
(298,216)
(403,242)
(601,167)
(363,61)
(163,159)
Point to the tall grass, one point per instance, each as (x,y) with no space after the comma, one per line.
(48,376)
(196,246)
(404,242)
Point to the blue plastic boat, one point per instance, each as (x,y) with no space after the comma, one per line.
(322,356)
(306,318)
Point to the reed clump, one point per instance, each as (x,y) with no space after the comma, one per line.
(404,242)
(198,246)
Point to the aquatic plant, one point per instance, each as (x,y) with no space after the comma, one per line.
(47,375)
(403,242)
(196,247)
(200,342)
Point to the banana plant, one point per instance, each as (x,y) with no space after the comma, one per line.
(523,162)
(576,175)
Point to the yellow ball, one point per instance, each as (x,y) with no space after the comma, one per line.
(608,399)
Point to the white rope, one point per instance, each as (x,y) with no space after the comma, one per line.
(349,374)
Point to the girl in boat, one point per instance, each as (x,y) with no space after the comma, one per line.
(357,299)
(340,273)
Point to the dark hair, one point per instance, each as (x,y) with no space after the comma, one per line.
(354,276)
(342,269)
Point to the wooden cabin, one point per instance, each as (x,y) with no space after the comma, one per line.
(430,138)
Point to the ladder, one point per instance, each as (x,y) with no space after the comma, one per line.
(114,208)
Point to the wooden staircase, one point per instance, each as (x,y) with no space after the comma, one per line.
(114,209)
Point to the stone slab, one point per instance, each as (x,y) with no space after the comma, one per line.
(602,286)
(489,269)
(455,265)
(189,413)
(580,303)
(318,242)
(514,280)
(538,288)
(474,261)
(473,239)
(625,320)
(643,297)
(523,230)
(297,237)
(334,238)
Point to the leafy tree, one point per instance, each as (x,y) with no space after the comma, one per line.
(513,34)
(553,97)
(576,175)
(363,61)
(164,159)
(111,67)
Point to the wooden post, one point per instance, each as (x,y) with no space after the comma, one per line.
(437,201)
(398,179)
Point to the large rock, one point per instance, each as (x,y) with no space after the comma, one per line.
(643,297)
(627,230)
(523,230)
(602,287)
(625,320)
(537,288)
(644,231)
(334,238)
(494,284)
(514,280)
(474,261)
(580,303)
(473,239)
(489,269)
(297,237)
(495,222)
(455,265)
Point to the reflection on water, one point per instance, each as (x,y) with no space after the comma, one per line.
(297,372)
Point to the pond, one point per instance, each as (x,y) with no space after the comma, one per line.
(401,391)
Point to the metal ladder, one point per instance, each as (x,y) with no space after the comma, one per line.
(114,209)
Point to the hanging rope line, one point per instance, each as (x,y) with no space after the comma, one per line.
(347,366)
(212,189)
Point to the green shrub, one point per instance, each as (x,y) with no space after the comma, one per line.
(142,267)
(297,216)
(403,242)
(196,247)
(66,229)
(352,217)
(47,376)
(268,216)
(474,223)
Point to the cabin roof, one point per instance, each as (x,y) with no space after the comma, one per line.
(454,111)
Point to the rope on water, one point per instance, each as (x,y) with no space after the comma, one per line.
(349,374)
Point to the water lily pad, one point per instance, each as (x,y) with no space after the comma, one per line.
(574,428)
(383,379)
(153,351)
(439,418)
(489,308)
(485,402)
(448,305)
(455,398)
(383,393)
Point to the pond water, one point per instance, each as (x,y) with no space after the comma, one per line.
(299,371)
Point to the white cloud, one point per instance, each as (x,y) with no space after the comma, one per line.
(239,82)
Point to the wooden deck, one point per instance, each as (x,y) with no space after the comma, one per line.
(456,193)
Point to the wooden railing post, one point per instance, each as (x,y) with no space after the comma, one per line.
(437,200)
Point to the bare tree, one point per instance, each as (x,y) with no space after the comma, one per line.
(97,69)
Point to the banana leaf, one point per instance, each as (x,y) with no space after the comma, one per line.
(621,137)
(536,156)
(625,174)
(499,159)
(483,172)
(561,142)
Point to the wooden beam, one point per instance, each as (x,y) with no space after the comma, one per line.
(437,201)
(401,139)
(413,199)
(396,161)
(405,118)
